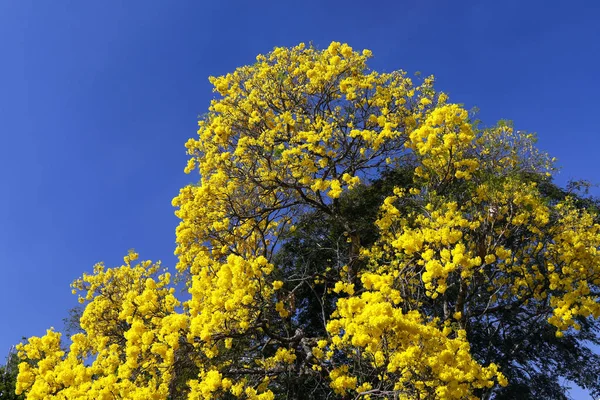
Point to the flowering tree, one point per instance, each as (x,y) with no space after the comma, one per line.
(353,234)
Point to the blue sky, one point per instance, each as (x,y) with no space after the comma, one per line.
(98,98)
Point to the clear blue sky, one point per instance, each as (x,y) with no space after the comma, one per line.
(98,98)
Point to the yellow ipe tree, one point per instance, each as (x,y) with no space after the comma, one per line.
(353,234)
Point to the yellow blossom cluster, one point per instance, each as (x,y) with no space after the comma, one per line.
(410,355)
(574,267)
(211,384)
(131,333)
(442,143)
(222,301)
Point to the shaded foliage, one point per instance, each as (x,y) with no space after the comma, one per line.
(8,378)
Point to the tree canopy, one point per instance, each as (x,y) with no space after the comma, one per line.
(353,234)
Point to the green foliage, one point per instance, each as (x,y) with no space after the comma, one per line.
(8,378)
